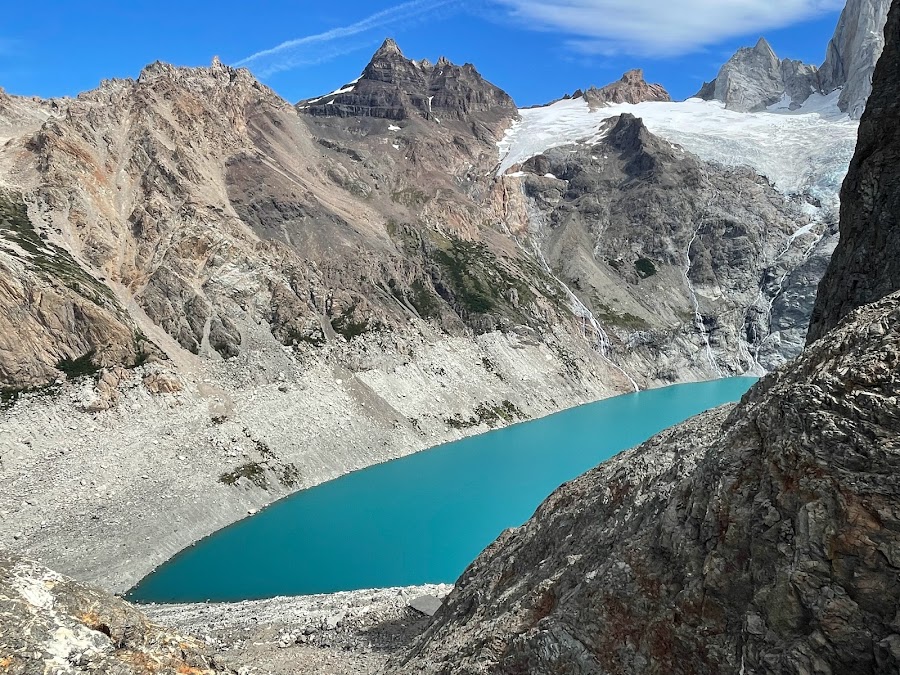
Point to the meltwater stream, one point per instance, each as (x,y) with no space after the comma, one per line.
(422,518)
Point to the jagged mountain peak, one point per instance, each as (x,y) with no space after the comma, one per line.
(394,87)
(755,78)
(762,46)
(216,70)
(388,48)
(633,75)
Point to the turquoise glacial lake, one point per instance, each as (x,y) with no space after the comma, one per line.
(422,518)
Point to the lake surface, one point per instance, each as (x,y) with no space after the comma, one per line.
(422,518)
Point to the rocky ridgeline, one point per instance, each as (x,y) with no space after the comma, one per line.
(632,88)
(755,78)
(177,214)
(759,538)
(396,88)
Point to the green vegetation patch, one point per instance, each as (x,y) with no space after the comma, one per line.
(410,197)
(9,395)
(645,268)
(492,415)
(424,300)
(252,471)
(607,315)
(19,239)
(257,473)
(479,281)
(348,326)
(79,367)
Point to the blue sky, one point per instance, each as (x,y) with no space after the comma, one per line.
(535,50)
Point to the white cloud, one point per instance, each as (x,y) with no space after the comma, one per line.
(321,47)
(660,27)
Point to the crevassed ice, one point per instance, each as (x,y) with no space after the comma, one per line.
(805,150)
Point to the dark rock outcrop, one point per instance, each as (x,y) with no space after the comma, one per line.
(866,263)
(52,624)
(396,88)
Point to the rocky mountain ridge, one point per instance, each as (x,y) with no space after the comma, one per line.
(755,78)
(395,88)
(631,88)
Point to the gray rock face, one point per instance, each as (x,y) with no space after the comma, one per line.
(853,52)
(757,539)
(754,79)
(649,237)
(52,624)
(55,317)
(751,80)
(393,87)
(866,263)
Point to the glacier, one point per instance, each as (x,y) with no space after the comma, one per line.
(803,151)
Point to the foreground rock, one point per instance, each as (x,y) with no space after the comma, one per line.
(52,624)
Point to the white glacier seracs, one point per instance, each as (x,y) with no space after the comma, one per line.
(803,151)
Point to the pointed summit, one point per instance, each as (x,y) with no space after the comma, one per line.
(763,47)
(388,48)
(755,78)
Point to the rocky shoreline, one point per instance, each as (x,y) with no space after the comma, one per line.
(353,632)
(106,495)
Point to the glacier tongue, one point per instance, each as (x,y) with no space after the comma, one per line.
(801,151)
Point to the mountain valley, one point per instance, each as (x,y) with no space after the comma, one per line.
(211,298)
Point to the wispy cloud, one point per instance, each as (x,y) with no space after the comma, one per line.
(660,28)
(321,47)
